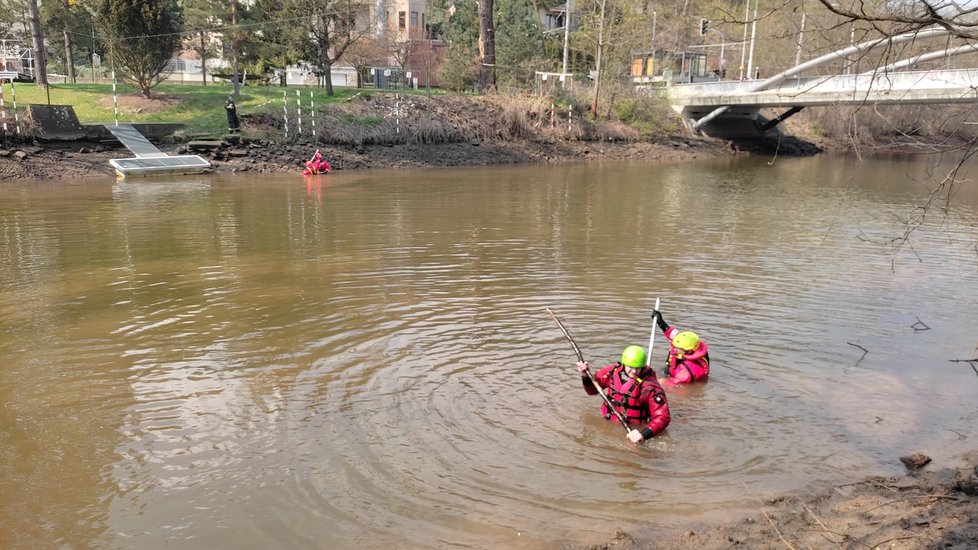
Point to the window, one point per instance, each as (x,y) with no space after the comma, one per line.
(414,19)
(401,20)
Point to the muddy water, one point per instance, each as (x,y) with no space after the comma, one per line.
(365,359)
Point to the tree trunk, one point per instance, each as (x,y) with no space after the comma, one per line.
(597,59)
(203,58)
(37,37)
(487,47)
(234,50)
(69,57)
(69,49)
(328,76)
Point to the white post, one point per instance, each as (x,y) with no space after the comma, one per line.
(115,99)
(298,114)
(743,45)
(3,110)
(13,97)
(312,114)
(753,33)
(285,112)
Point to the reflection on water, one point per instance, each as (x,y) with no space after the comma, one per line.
(266,361)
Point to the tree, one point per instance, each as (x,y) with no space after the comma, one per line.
(37,38)
(459,26)
(487,46)
(203,19)
(143,35)
(323,30)
(519,40)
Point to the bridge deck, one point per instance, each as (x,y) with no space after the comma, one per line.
(906,87)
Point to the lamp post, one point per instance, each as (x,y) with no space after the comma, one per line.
(722,63)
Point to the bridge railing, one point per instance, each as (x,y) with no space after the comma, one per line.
(892,80)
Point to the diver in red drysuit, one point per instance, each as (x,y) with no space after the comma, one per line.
(634,390)
(689,358)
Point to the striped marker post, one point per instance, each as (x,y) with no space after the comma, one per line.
(3,113)
(285,112)
(13,98)
(312,114)
(298,113)
(115,99)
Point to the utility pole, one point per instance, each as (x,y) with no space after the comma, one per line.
(753,33)
(743,47)
(567,12)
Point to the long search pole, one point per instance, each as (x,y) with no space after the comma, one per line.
(648,356)
(580,357)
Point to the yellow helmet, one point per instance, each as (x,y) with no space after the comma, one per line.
(633,356)
(687,341)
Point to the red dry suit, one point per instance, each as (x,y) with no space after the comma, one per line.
(640,400)
(683,367)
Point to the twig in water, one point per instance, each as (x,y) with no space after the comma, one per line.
(861,357)
(887,503)
(968,361)
(917,326)
(778,531)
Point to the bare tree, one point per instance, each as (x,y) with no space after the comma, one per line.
(40,52)
(487,46)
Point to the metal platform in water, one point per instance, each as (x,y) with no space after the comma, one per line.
(149,159)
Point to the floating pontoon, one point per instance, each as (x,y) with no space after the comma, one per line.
(149,160)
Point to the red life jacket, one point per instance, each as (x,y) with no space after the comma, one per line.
(631,395)
(696,364)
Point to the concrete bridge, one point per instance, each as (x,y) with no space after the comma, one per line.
(731,109)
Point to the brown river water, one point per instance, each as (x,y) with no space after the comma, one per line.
(365,359)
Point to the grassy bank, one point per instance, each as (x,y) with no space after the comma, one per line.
(200,108)
(359,117)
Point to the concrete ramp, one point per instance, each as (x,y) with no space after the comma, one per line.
(134,141)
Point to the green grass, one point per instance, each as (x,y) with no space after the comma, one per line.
(201,108)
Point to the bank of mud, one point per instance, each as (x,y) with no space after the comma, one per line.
(360,133)
(79,159)
(935,507)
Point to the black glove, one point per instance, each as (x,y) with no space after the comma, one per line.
(659,320)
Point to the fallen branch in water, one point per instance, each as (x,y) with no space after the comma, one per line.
(969,361)
(921,324)
(863,356)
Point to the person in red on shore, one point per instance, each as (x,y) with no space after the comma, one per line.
(689,358)
(634,390)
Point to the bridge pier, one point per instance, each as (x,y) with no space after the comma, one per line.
(736,123)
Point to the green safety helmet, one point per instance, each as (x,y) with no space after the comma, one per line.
(633,356)
(687,341)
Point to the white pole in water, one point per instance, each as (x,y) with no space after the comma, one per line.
(648,358)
